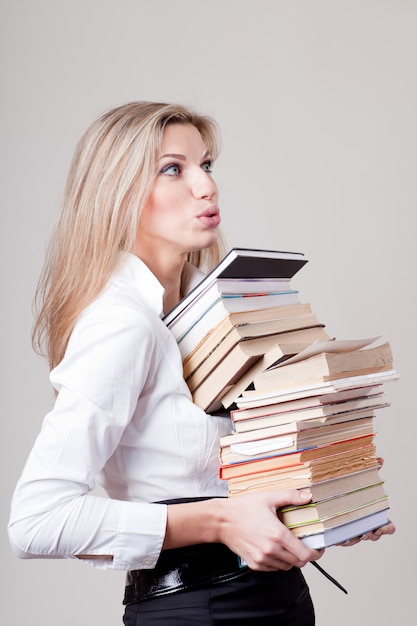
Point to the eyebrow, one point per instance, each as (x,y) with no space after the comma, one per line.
(182,157)
(174,156)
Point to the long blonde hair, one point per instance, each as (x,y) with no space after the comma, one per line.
(111,175)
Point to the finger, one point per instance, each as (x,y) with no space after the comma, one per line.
(270,562)
(349,542)
(286,497)
(388,529)
(273,565)
(372,535)
(285,561)
(296,552)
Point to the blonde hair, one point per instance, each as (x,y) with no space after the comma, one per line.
(110,178)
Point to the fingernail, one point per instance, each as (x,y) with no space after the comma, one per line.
(305,495)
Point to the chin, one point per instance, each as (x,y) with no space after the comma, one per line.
(201,240)
(211,241)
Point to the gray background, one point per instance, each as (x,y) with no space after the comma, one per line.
(317,102)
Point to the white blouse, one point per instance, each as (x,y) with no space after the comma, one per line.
(123,418)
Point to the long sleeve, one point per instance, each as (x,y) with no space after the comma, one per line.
(54,512)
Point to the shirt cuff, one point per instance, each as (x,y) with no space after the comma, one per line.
(140,535)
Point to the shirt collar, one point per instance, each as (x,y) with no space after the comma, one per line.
(138,275)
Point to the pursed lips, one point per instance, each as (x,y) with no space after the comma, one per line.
(210,216)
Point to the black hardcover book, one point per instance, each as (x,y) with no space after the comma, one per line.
(244,263)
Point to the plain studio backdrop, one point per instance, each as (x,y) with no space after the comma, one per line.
(317,103)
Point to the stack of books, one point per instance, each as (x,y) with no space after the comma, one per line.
(310,423)
(302,405)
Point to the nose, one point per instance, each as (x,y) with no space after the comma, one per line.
(204,185)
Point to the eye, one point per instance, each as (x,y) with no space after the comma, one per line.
(173,169)
(207,166)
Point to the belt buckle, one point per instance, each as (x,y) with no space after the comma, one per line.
(242,562)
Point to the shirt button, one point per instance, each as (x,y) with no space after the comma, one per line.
(147,561)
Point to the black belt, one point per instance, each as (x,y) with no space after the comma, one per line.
(182,569)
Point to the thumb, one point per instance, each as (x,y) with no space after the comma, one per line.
(294,497)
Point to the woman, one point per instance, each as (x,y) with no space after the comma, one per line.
(140,216)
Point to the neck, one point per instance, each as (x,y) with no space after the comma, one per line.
(172,293)
(168,270)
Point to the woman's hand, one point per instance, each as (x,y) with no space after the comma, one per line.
(373,535)
(250,526)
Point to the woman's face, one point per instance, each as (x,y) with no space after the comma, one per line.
(181,214)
